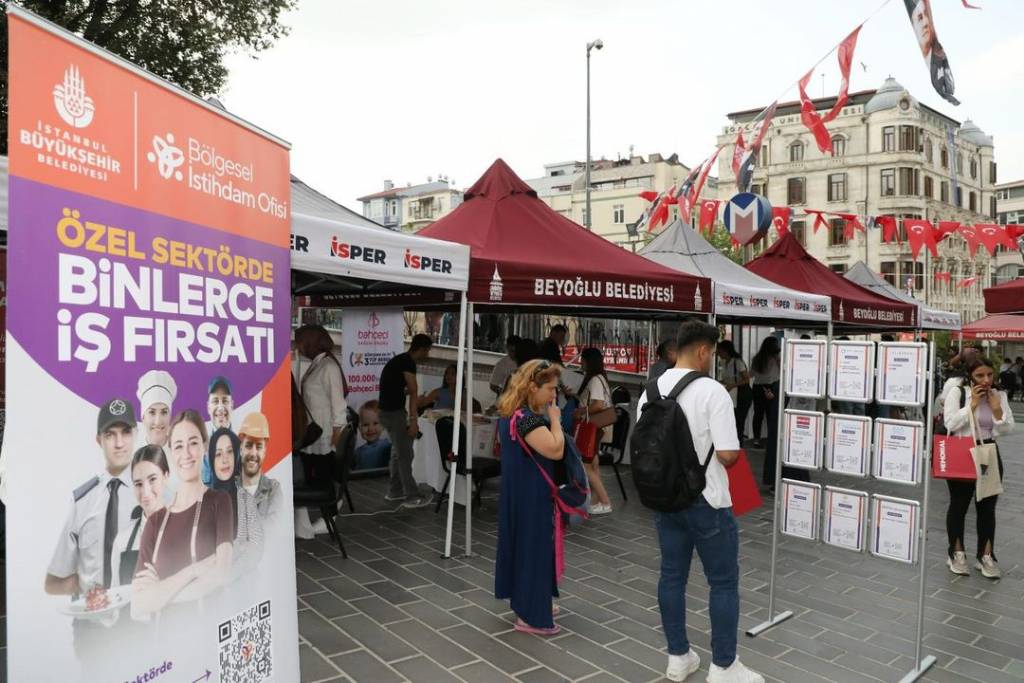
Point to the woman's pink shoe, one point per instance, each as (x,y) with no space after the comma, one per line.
(526,628)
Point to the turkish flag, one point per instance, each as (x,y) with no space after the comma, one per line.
(919,233)
(649,195)
(967,282)
(780,219)
(809,115)
(819,219)
(737,154)
(970,234)
(943,275)
(888,226)
(693,192)
(850,223)
(708,214)
(992,236)
(1015,231)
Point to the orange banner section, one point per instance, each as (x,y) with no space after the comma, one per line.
(84,124)
(278,411)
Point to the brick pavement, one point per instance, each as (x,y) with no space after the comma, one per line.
(396,611)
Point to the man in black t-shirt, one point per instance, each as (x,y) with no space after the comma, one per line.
(551,348)
(397,385)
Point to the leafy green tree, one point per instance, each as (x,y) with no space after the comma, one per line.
(184,41)
(721,240)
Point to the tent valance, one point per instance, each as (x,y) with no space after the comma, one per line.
(1000,327)
(927,318)
(738,292)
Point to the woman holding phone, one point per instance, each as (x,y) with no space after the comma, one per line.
(979,402)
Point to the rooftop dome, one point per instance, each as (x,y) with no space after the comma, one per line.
(886,97)
(970,132)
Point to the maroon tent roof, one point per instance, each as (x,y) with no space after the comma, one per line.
(1004,327)
(524,252)
(1005,298)
(787,263)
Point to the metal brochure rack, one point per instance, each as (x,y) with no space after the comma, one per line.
(812,511)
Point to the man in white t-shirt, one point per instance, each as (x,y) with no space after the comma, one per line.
(505,367)
(708,525)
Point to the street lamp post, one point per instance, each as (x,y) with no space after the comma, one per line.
(590,46)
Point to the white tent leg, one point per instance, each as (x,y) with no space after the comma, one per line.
(459,366)
(471,333)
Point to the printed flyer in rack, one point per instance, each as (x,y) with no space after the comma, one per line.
(148,433)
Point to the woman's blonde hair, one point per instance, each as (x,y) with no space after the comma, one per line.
(535,372)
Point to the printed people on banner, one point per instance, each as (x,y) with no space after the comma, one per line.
(186,548)
(375,452)
(156,394)
(219,406)
(224,458)
(150,474)
(255,435)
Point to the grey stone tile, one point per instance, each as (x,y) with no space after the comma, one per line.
(607,660)
(328,604)
(362,666)
(490,650)
(392,592)
(650,657)
(541,675)
(353,569)
(954,647)
(981,672)
(445,652)
(375,638)
(442,577)
(588,629)
(314,667)
(431,615)
(323,634)
(829,670)
(422,669)
(548,653)
(440,597)
(400,575)
(312,567)
(481,672)
(344,588)
(378,610)
(488,622)
(811,646)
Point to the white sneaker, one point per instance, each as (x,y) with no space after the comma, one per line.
(989,568)
(958,563)
(681,666)
(600,509)
(736,673)
(303,529)
(320,527)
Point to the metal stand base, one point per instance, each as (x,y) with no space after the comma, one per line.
(775,621)
(925,664)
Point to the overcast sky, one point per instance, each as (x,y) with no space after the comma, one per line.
(368,90)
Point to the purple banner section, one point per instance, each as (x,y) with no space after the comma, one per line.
(118,292)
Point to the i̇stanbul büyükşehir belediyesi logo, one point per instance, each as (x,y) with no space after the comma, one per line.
(208,171)
(71,100)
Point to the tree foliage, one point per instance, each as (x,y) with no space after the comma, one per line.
(721,240)
(184,41)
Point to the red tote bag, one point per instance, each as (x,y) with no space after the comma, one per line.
(585,435)
(952,459)
(742,486)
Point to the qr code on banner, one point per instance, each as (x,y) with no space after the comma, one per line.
(246,652)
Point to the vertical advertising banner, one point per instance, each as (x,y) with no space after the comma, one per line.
(148,469)
(370,338)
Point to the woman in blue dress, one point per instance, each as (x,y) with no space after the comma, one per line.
(525,565)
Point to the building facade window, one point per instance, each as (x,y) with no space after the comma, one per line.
(913,275)
(759,188)
(618,214)
(973,164)
(992,210)
(766,155)
(838,146)
(944,158)
(959,197)
(944,191)
(928,150)
(929,189)
(889,139)
(837,187)
(972,202)
(908,138)
(992,172)
(799,230)
(796,151)
(908,182)
(960,163)
(838,268)
(795,191)
(888,182)
(889,272)
(837,233)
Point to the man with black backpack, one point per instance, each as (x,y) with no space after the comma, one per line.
(683,441)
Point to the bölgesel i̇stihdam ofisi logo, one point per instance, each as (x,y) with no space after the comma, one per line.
(166,156)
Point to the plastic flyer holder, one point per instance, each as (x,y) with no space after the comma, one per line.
(802,439)
(894,528)
(805,362)
(902,374)
(899,451)
(851,375)
(801,509)
(848,445)
(845,519)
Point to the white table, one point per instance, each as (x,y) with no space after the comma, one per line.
(426,463)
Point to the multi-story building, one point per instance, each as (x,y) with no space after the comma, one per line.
(1010,210)
(892,155)
(615,187)
(413,207)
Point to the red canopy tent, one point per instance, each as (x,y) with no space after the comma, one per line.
(1005,298)
(788,263)
(1001,327)
(522,252)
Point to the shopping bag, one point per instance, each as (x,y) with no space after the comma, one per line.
(586,435)
(742,486)
(986,463)
(952,459)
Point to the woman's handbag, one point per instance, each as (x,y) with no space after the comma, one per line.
(312,432)
(586,435)
(952,459)
(986,462)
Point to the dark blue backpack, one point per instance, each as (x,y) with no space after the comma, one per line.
(573,496)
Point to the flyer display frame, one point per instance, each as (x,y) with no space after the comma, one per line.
(826,509)
(791,348)
(916,459)
(914,505)
(815,489)
(830,422)
(921,379)
(818,417)
(869,371)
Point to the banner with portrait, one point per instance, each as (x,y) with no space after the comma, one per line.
(148,440)
(370,338)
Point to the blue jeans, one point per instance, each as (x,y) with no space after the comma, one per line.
(714,534)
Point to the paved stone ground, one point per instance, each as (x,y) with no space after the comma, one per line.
(396,611)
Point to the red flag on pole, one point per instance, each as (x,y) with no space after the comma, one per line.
(693,192)
(967,282)
(780,219)
(919,233)
(737,154)
(888,226)
(971,236)
(943,275)
(850,223)
(992,236)
(819,219)
(809,115)
(708,214)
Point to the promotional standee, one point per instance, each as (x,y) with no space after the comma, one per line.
(889,449)
(148,468)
